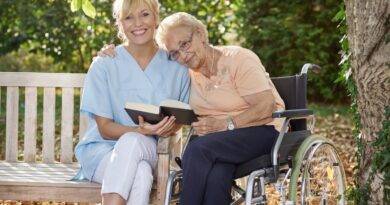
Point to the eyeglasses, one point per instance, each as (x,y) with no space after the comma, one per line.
(184,46)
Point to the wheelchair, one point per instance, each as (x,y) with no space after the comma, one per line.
(303,168)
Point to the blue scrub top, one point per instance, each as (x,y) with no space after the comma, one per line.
(110,83)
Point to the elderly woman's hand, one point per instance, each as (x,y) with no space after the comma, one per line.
(209,125)
(107,50)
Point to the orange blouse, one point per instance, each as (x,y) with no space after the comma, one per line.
(239,73)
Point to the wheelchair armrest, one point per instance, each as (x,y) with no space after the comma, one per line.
(294,113)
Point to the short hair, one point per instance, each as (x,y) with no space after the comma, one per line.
(179,19)
(122,8)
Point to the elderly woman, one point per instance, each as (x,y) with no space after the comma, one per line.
(234,97)
(115,151)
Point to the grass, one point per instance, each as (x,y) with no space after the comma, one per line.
(324,110)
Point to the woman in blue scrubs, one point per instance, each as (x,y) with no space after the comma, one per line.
(115,151)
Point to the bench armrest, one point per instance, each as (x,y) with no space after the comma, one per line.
(163,145)
(294,113)
(163,151)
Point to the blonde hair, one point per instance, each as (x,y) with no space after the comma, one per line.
(179,19)
(122,8)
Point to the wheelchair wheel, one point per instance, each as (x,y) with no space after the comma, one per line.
(318,176)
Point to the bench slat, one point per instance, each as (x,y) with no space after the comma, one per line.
(162,172)
(35,79)
(48,124)
(30,124)
(83,122)
(49,183)
(0,101)
(27,173)
(36,176)
(67,125)
(49,192)
(12,113)
(35,170)
(39,165)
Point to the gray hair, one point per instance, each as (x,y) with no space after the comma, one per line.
(179,19)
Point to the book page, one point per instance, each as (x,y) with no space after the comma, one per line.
(175,104)
(143,107)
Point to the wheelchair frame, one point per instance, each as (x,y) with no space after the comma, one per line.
(255,191)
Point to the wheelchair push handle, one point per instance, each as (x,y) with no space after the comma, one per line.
(309,66)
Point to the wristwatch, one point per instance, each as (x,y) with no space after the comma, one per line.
(230,123)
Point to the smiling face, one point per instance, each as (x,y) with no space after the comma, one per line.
(186,46)
(139,26)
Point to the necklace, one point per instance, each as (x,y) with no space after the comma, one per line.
(212,62)
(212,83)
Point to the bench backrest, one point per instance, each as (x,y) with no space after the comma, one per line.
(66,84)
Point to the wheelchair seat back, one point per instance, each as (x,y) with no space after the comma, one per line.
(292,89)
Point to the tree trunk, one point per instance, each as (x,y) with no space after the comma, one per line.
(368,35)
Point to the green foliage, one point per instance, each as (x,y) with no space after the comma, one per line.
(59,30)
(217,15)
(287,34)
(380,165)
(381,158)
(324,110)
(52,29)
(88,8)
(22,60)
(360,194)
(75,5)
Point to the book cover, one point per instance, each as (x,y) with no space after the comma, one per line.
(154,114)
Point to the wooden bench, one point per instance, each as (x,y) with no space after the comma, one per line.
(30,176)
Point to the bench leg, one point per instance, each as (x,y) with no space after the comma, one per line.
(162,176)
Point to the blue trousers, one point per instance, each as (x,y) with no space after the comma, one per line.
(209,162)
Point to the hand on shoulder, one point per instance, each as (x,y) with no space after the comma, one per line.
(107,51)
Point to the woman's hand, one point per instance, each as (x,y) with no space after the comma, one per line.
(209,125)
(107,50)
(163,128)
(173,131)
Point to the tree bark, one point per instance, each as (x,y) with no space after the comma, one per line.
(368,35)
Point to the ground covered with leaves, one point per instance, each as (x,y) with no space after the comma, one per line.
(335,124)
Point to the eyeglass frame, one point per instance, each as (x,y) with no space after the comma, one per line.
(184,46)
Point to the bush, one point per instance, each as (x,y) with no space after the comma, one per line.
(217,15)
(287,34)
(22,60)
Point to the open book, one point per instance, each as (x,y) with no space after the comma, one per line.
(154,114)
